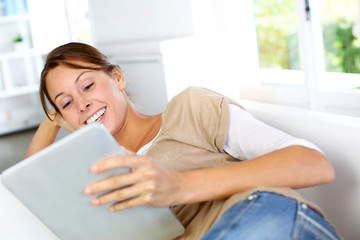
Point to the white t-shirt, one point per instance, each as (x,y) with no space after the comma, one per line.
(249,138)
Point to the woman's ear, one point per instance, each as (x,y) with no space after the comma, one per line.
(119,78)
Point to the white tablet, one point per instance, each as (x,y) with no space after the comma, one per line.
(51,182)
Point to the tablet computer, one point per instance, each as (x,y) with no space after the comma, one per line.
(51,182)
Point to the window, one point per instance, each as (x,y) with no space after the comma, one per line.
(342,48)
(308,54)
(277,34)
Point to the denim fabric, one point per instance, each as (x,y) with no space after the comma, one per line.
(265,215)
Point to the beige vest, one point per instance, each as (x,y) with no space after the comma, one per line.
(194,129)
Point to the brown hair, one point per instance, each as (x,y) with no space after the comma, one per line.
(71,51)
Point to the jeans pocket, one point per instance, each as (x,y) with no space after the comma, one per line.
(228,225)
(310,225)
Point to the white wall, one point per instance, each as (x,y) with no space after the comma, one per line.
(199,42)
(139,20)
(130,33)
(49,24)
(219,54)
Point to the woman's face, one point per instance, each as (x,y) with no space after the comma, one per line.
(84,96)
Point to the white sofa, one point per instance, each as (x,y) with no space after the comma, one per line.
(339,137)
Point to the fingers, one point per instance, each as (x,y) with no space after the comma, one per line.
(133,162)
(52,113)
(133,189)
(148,184)
(115,182)
(140,173)
(122,196)
(127,204)
(59,120)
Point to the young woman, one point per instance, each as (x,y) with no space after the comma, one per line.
(225,174)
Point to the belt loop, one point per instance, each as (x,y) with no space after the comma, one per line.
(304,206)
(253,196)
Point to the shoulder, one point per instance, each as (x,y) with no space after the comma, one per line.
(193,100)
(197,110)
(200,100)
(197,97)
(196,94)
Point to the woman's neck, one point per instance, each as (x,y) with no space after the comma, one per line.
(139,130)
(154,125)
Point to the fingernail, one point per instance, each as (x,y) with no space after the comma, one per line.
(87,191)
(95,169)
(95,202)
(112,209)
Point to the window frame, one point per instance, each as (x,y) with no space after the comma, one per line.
(309,87)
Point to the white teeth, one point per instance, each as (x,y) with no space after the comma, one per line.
(96,116)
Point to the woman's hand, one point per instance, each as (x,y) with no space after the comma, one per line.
(151,184)
(58,120)
(148,183)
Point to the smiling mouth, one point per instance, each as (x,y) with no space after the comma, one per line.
(96,116)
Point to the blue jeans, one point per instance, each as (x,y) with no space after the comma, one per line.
(265,215)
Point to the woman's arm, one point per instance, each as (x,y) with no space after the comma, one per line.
(294,167)
(149,183)
(276,160)
(46,133)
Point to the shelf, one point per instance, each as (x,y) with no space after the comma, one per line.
(21,54)
(19,113)
(19,91)
(20,67)
(14,18)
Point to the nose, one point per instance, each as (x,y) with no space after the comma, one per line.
(84,106)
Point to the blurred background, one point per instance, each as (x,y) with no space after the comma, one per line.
(302,53)
(299,53)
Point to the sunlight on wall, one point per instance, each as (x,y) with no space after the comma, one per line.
(79,23)
(219,55)
(59,21)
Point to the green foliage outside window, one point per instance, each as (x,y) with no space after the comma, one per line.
(342,51)
(277,35)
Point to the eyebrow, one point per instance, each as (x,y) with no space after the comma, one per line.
(76,80)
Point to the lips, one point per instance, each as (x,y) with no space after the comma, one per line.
(96,116)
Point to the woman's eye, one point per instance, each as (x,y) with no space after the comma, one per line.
(88,87)
(66,104)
